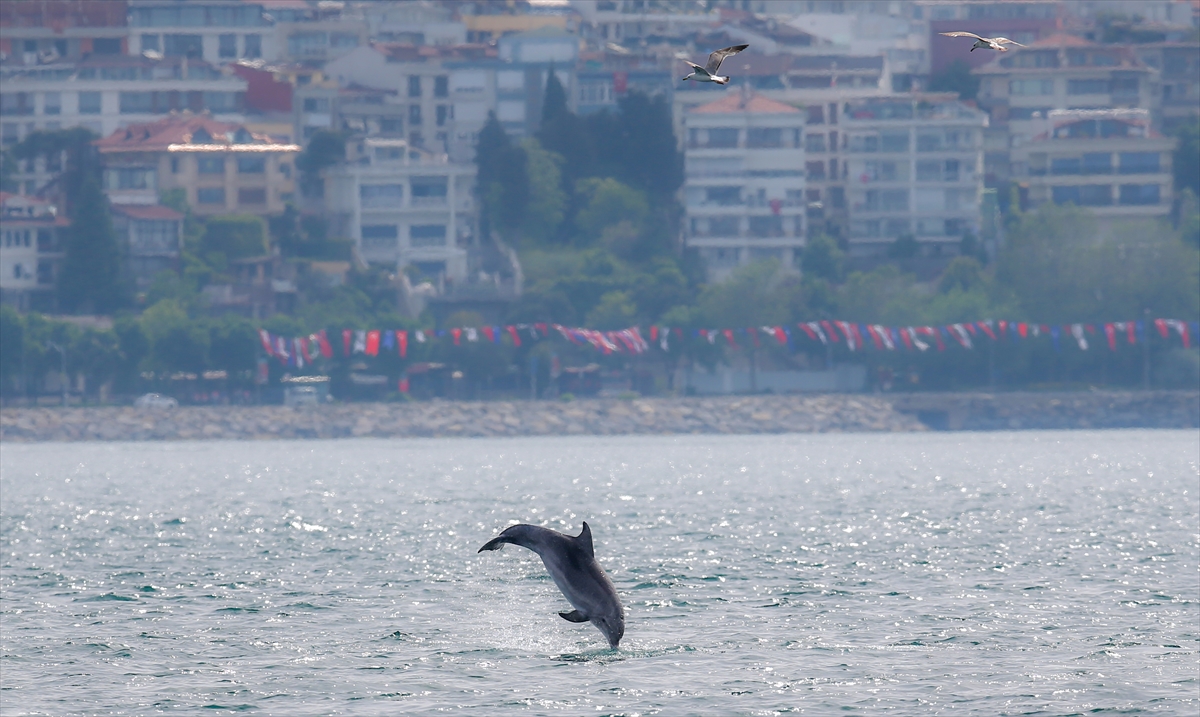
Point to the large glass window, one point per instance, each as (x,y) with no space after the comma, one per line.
(210,165)
(136,102)
(150,42)
(723,196)
(414,85)
(253,47)
(427,235)
(764,137)
(252,195)
(1087,87)
(381,195)
(1139,163)
(210,195)
(1031,87)
(380,233)
(89,103)
(431,188)
(227,45)
(52,103)
(722,137)
(1097,163)
(251,165)
(1139,194)
(183,46)
(893,142)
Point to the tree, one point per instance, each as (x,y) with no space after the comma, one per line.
(905,247)
(83,161)
(822,259)
(236,236)
(91,281)
(12,345)
(956,77)
(233,344)
(649,155)
(547,204)
(325,149)
(562,132)
(502,180)
(963,274)
(609,202)
(1185,163)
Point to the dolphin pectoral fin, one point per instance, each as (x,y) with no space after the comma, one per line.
(493,544)
(572,616)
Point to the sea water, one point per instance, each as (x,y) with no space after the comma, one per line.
(1015,573)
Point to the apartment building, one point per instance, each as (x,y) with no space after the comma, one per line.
(31,251)
(1111,161)
(50,31)
(222,167)
(151,237)
(1178,64)
(404,206)
(217,31)
(744,181)
(1022,86)
(912,167)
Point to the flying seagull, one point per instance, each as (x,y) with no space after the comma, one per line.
(991,43)
(708,73)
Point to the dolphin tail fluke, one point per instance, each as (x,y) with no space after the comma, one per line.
(572,616)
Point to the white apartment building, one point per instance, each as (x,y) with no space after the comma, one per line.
(217,31)
(30,251)
(913,165)
(403,206)
(744,181)
(1110,161)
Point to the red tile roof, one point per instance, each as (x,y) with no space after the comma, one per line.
(1062,39)
(147,211)
(734,102)
(180,129)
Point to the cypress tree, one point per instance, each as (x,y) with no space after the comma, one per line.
(90,281)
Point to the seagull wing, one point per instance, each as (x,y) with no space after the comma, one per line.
(698,67)
(1005,41)
(961,34)
(715,59)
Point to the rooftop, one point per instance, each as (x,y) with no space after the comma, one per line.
(736,101)
(187,132)
(147,211)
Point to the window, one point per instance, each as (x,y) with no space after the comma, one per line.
(720,256)
(1125,86)
(221,101)
(764,137)
(723,196)
(814,143)
(227,45)
(52,103)
(951,170)
(210,195)
(316,104)
(1139,163)
(1087,87)
(1097,163)
(414,114)
(380,195)
(1031,87)
(1087,195)
(381,234)
(183,46)
(814,170)
(1139,194)
(769,226)
(154,237)
(428,190)
(722,137)
(928,170)
(427,235)
(414,85)
(1066,165)
(210,165)
(252,195)
(251,165)
(893,142)
(882,171)
(253,47)
(864,143)
(1065,195)
(441,86)
(136,102)
(343,41)
(443,112)
(116,178)
(89,103)
(307,44)
(724,226)
(150,42)
(106,46)
(887,200)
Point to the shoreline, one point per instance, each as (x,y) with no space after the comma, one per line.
(758,414)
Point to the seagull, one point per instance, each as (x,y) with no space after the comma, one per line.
(708,73)
(991,43)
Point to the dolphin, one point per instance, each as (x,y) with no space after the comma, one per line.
(572,564)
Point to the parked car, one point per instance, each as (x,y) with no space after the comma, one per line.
(155,400)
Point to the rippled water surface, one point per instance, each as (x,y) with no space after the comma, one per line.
(990,574)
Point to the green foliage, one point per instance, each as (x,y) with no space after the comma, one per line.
(12,344)
(305,237)
(956,77)
(502,180)
(609,203)
(964,273)
(822,259)
(8,167)
(233,344)
(615,310)
(325,149)
(547,203)
(91,281)
(906,246)
(749,297)
(562,132)
(1184,162)
(235,236)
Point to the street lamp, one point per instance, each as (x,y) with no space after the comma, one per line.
(63,353)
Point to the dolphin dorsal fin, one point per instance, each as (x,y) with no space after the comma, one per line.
(585,541)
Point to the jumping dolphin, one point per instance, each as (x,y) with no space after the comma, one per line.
(572,564)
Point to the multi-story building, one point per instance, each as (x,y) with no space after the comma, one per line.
(221,166)
(151,237)
(1020,88)
(316,32)
(403,206)
(744,181)
(418,22)
(1110,161)
(31,251)
(217,31)
(50,31)
(913,167)
(1178,64)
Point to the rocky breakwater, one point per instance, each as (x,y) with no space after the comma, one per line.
(731,415)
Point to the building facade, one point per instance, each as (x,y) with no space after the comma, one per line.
(744,181)
(1109,161)
(403,207)
(31,251)
(222,167)
(151,237)
(913,166)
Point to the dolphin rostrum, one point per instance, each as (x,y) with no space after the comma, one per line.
(572,564)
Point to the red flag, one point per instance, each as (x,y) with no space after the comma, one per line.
(874,338)
(780,335)
(304,350)
(907,341)
(487,331)
(266,342)
(372,343)
(829,331)
(1131,332)
(512,331)
(1161,325)
(753,335)
(808,330)
(542,329)
(1003,327)
(970,327)
(983,326)
(402,343)
(729,337)
(323,343)
(403,385)
(457,334)
(347,334)
(1110,333)
(654,333)
(1022,329)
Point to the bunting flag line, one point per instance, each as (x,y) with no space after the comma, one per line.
(303,351)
